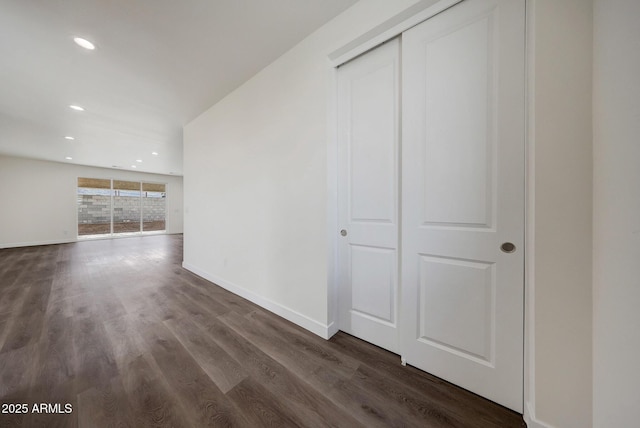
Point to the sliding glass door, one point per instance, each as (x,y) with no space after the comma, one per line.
(94,206)
(154,207)
(120,207)
(126,206)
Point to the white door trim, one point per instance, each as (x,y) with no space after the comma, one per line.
(332,199)
(389,29)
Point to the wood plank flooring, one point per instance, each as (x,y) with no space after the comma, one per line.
(127,337)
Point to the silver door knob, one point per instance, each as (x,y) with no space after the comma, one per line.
(343,232)
(508,247)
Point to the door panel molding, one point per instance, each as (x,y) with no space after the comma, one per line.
(464,165)
(346,53)
(368,195)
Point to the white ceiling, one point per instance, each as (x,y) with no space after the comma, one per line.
(157,65)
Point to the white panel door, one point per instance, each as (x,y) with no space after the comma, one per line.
(463,197)
(368,127)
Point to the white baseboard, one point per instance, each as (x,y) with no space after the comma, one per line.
(71,240)
(332,328)
(530,418)
(35,243)
(289,314)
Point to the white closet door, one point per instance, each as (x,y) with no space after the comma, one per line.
(368,127)
(463,197)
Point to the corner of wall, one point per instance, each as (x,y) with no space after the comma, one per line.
(558,376)
(530,419)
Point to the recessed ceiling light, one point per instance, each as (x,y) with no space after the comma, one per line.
(75,107)
(154,153)
(69,138)
(68,158)
(84,43)
(139,160)
(133,166)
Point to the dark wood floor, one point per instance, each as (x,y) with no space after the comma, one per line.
(119,330)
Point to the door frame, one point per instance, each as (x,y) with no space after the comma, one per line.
(387,30)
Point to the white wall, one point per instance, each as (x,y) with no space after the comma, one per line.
(256,176)
(560,215)
(616,255)
(260,157)
(39,199)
